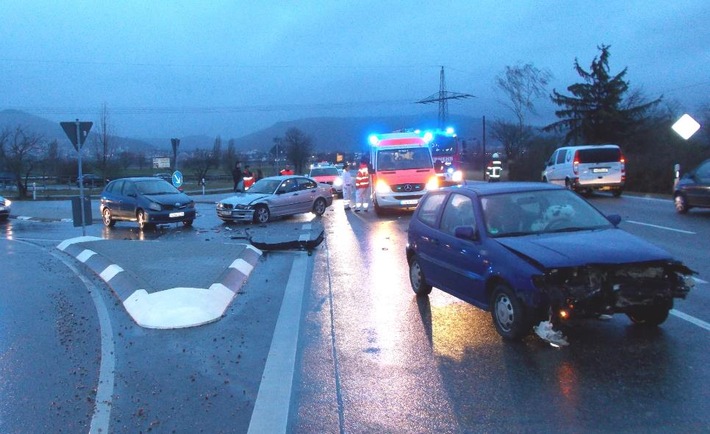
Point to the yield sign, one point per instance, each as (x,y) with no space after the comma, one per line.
(70,130)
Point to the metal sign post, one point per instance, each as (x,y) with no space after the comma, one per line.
(77,133)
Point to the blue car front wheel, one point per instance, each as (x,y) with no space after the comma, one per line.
(508,313)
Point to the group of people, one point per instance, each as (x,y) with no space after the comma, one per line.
(244,178)
(361,183)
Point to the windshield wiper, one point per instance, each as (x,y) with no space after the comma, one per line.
(570,229)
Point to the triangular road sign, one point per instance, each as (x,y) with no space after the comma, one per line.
(70,130)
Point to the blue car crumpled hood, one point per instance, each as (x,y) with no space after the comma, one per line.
(605,246)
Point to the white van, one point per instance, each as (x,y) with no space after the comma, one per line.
(587,167)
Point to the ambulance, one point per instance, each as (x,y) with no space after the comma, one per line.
(401,169)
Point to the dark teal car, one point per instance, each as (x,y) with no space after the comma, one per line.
(147,201)
(693,189)
(535,252)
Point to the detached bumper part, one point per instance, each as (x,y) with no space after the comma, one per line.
(549,335)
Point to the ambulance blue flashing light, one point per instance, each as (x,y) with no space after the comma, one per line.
(373,139)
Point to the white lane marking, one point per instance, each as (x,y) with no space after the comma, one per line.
(85,255)
(660,227)
(104,389)
(110,272)
(653,199)
(66,243)
(272,404)
(243,266)
(691,319)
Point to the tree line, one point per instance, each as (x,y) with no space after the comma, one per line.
(602,108)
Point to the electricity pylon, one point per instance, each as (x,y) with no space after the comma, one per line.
(443,97)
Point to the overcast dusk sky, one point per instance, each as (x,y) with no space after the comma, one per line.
(177,68)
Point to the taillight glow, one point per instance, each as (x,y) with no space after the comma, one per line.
(575,163)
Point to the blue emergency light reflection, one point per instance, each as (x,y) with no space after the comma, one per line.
(373,139)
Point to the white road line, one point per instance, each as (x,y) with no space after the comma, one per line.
(104,389)
(660,227)
(691,319)
(272,404)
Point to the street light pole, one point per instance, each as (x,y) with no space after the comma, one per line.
(176,145)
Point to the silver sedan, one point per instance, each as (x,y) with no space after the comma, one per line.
(276,196)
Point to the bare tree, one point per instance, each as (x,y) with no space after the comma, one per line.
(18,154)
(522,85)
(299,148)
(230,156)
(104,143)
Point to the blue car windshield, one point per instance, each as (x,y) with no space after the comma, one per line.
(157,186)
(543,211)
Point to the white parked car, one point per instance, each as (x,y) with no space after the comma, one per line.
(276,196)
(586,168)
(4,208)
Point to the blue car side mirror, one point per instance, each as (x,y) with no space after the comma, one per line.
(614,219)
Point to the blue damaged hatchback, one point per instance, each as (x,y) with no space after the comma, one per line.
(148,201)
(532,252)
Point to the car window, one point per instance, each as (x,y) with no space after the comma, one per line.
(457,212)
(561,156)
(129,188)
(306,184)
(600,155)
(429,208)
(539,211)
(115,187)
(288,186)
(703,172)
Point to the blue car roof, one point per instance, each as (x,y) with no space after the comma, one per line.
(486,188)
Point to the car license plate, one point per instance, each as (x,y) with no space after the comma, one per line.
(410,202)
(600,170)
(177,214)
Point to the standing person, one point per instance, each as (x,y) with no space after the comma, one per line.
(237,175)
(287,170)
(248,178)
(362,182)
(347,187)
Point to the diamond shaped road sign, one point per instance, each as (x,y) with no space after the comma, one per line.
(686,126)
(70,130)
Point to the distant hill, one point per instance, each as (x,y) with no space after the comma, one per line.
(50,130)
(328,133)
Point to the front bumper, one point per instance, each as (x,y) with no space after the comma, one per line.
(236,215)
(172,216)
(398,200)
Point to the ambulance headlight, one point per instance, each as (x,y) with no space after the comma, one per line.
(382,187)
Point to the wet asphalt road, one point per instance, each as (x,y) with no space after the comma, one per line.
(371,356)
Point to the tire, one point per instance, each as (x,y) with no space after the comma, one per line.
(681,204)
(617,193)
(107,218)
(262,214)
(650,316)
(187,223)
(319,207)
(508,313)
(568,184)
(142,223)
(417,279)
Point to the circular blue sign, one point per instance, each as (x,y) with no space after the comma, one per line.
(177,179)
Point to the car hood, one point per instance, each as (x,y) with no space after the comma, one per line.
(605,246)
(244,198)
(169,199)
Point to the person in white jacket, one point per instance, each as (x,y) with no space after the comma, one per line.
(347,187)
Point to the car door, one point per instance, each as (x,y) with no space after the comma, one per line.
(129,200)
(462,265)
(285,200)
(699,192)
(307,193)
(424,235)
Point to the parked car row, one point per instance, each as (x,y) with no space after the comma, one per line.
(152,200)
